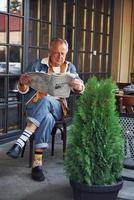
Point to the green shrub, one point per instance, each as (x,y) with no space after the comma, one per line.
(94,153)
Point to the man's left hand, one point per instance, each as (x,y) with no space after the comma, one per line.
(76,85)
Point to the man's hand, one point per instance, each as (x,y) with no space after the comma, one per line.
(25,79)
(76,85)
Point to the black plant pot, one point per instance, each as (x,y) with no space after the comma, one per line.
(96,192)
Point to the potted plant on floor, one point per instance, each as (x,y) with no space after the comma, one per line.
(94,156)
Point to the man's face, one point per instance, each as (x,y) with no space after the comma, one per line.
(57,53)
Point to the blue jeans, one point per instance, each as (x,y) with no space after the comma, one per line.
(43,114)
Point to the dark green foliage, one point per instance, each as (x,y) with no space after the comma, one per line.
(94,153)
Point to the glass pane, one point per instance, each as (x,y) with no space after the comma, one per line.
(33,8)
(3,5)
(2,59)
(70,56)
(2,121)
(89,4)
(15,57)
(69,14)
(89,41)
(89,20)
(46,10)
(81,42)
(98,5)
(33,34)
(15,30)
(32,55)
(81,59)
(107,6)
(60,31)
(45,34)
(105,26)
(98,22)
(3,28)
(43,53)
(12,94)
(2,95)
(97,62)
(60,15)
(13,117)
(70,38)
(16,7)
(82,3)
(81,18)
(103,66)
(88,62)
(104,44)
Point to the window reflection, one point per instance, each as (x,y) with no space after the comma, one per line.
(33,34)
(70,56)
(13,117)
(3,20)
(15,30)
(32,55)
(81,62)
(60,15)
(2,95)
(16,7)
(15,60)
(2,121)
(81,44)
(3,5)
(46,10)
(43,54)
(88,62)
(45,32)
(2,59)
(33,8)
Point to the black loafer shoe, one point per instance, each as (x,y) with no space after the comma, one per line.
(37,174)
(15,151)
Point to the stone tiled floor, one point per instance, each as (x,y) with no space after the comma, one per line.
(16,183)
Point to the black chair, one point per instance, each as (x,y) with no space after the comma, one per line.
(127,125)
(60,125)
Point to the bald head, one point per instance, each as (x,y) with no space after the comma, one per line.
(59,41)
(57,51)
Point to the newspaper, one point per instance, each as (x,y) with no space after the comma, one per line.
(55,84)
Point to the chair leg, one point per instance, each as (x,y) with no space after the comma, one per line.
(31,151)
(53,140)
(64,138)
(23,150)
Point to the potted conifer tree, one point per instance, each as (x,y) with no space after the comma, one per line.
(94,157)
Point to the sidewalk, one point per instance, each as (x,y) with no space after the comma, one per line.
(16,183)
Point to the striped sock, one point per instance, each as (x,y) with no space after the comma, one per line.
(37,161)
(23,138)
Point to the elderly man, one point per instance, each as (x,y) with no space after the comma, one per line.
(42,109)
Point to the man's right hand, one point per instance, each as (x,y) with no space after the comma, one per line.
(25,79)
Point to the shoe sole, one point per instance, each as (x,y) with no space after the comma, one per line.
(11,155)
(39,180)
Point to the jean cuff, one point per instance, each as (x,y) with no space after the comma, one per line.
(34,121)
(41,146)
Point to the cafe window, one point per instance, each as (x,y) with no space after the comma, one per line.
(11,63)
(25,32)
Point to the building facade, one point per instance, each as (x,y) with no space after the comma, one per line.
(27,26)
